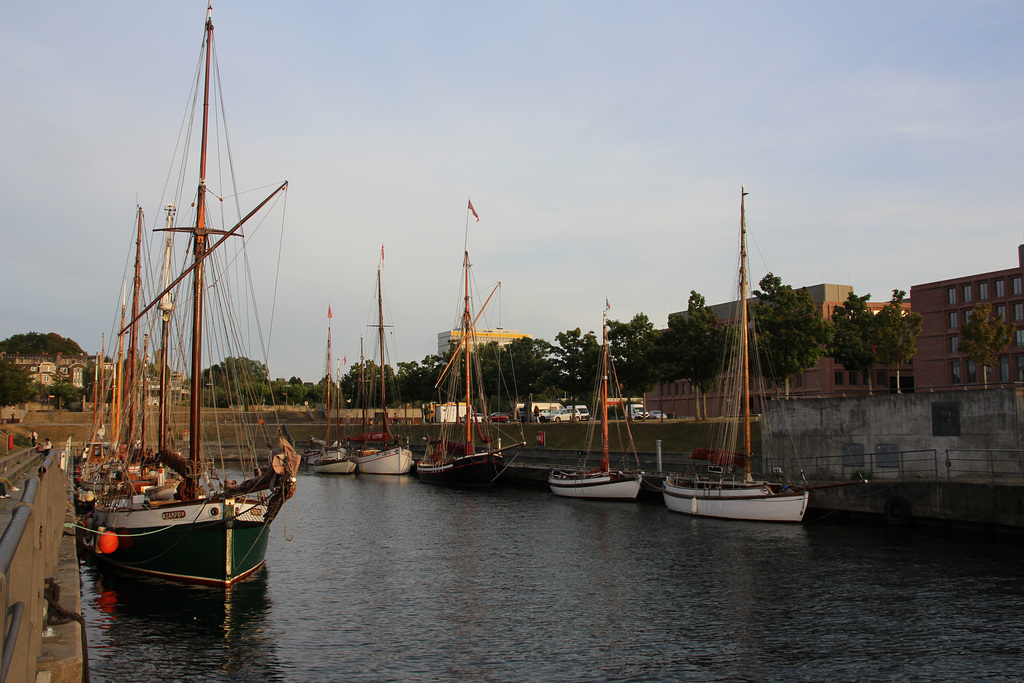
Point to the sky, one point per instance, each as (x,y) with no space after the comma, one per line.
(603,145)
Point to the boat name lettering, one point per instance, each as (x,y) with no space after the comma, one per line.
(173,514)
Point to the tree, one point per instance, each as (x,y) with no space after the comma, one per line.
(855,336)
(790,331)
(236,379)
(63,392)
(417,382)
(984,337)
(631,346)
(690,348)
(576,356)
(897,334)
(15,384)
(37,343)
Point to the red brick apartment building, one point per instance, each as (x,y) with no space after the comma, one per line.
(945,305)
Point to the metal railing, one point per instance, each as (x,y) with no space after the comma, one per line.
(28,553)
(991,465)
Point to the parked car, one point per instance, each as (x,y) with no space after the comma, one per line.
(657,415)
(499,417)
(636,412)
(545,415)
(570,414)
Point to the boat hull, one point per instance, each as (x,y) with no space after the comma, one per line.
(596,485)
(205,542)
(333,466)
(390,461)
(478,470)
(752,502)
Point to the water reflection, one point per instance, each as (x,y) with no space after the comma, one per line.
(145,629)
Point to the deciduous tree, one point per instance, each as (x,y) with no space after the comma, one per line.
(984,337)
(855,336)
(790,331)
(897,334)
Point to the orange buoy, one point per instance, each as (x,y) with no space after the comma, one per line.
(107,542)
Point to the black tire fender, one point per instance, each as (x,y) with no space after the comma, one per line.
(897,511)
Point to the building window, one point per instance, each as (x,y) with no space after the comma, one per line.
(1015,285)
(967,316)
(952,320)
(1020,368)
(982,290)
(951,295)
(1001,312)
(800,381)
(1018,311)
(972,375)
(954,344)
(967,294)
(1020,337)
(955,368)
(1000,288)
(839,378)
(1004,369)
(880,378)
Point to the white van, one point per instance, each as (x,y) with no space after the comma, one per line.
(571,414)
(637,412)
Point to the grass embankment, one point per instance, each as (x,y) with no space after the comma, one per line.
(677,436)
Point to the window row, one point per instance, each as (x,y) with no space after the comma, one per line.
(956,376)
(999,286)
(999,311)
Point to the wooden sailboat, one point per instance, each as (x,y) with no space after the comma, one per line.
(382,451)
(329,457)
(212,530)
(452,459)
(715,493)
(601,482)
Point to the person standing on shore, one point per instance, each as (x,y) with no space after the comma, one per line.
(47,446)
(34,438)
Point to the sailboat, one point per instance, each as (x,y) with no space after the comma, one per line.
(452,458)
(715,493)
(212,530)
(382,451)
(601,482)
(329,457)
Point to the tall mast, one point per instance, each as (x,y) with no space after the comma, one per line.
(328,438)
(467,323)
(116,397)
(362,383)
(744,344)
(605,458)
(198,255)
(97,382)
(133,337)
(380,337)
(166,307)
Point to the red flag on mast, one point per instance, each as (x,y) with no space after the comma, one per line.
(473,210)
(328,311)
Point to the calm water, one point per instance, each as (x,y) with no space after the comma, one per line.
(389,579)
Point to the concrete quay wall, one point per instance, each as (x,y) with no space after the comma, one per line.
(949,457)
(809,432)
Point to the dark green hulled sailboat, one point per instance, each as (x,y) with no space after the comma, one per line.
(211,530)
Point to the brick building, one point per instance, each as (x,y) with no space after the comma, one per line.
(49,368)
(946,305)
